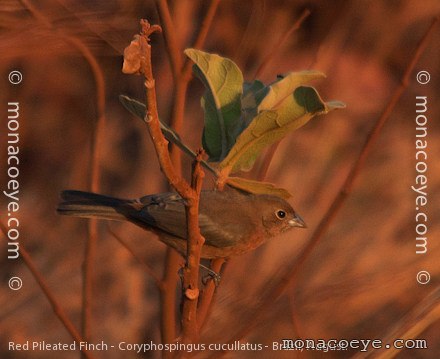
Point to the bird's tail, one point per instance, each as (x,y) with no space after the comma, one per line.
(91,205)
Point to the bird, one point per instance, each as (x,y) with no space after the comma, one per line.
(232,222)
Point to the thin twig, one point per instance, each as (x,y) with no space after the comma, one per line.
(94,184)
(179,90)
(90,249)
(88,264)
(169,280)
(264,168)
(276,48)
(57,309)
(208,294)
(152,117)
(168,298)
(290,274)
(206,24)
(252,32)
(181,85)
(201,37)
(169,34)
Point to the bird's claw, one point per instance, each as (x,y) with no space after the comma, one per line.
(211,275)
(216,277)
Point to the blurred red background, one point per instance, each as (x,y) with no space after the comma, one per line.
(361,279)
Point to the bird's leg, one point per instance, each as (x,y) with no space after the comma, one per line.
(216,277)
(180,273)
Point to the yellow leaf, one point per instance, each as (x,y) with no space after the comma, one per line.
(270,126)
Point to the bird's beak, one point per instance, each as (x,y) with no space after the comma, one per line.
(297,221)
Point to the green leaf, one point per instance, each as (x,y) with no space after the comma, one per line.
(252,88)
(308,98)
(253,94)
(270,126)
(133,106)
(257,187)
(223,81)
(138,109)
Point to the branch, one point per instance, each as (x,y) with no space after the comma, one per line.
(181,78)
(181,74)
(208,294)
(181,83)
(276,48)
(57,309)
(201,37)
(170,38)
(177,124)
(194,250)
(291,273)
(168,298)
(90,249)
(137,60)
(168,295)
(264,167)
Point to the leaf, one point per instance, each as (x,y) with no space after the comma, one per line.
(132,57)
(253,93)
(335,105)
(257,187)
(308,98)
(270,126)
(138,109)
(133,106)
(257,97)
(223,81)
(283,87)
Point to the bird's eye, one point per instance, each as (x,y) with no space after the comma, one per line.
(280,214)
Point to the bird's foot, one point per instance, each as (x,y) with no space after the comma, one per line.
(216,277)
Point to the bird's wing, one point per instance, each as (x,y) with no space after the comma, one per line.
(166,212)
(217,235)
